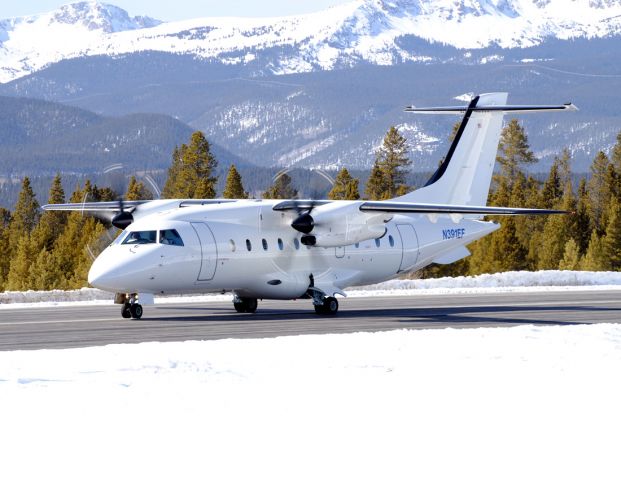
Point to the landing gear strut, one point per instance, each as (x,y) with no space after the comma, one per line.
(245,305)
(131,308)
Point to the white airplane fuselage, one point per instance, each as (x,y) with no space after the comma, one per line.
(250,249)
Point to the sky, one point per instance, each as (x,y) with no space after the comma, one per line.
(182,9)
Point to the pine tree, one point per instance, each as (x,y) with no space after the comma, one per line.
(571,256)
(17,278)
(23,220)
(5,219)
(170,187)
(594,259)
(611,242)
(599,191)
(26,213)
(513,150)
(392,159)
(190,175)
(376,184)
(42,240)
(551,192)
(345,187)
(615,155)
(52,222)
(581,227)
(137,190)
(234,187)
(557,231)
(281,188)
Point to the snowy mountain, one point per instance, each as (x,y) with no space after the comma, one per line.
(363,31)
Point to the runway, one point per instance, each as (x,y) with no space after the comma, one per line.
(82,326)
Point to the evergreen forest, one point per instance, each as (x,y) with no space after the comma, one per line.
(44,250)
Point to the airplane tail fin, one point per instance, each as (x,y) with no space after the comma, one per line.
(465,175)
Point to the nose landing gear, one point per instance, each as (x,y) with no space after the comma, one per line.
(131,308)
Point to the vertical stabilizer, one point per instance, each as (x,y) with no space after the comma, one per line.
(465,175)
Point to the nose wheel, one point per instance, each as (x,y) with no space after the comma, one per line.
(131,310)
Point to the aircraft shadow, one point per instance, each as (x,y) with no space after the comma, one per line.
(509,315)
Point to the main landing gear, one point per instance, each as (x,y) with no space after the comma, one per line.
(131,308)
(328,306)
(245,305)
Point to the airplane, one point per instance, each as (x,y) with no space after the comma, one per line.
(313,249)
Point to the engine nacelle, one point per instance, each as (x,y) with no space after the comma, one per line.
(338,224)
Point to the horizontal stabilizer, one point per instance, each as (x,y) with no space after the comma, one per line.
(492,108)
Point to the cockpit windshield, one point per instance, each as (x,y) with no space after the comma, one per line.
(170,237)
(140,238)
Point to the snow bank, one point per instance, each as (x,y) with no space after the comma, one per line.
(511,403)
(542,278)
(550,280)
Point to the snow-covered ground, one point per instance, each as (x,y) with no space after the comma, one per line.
(511,403)
(549,280)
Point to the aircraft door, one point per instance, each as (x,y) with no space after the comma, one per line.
(209,251)
(339,252)
(409,245)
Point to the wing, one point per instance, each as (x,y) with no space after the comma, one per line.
(122,213)
(406,207)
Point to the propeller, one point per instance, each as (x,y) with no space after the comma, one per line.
(123,219)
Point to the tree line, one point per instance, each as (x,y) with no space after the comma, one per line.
(54,250)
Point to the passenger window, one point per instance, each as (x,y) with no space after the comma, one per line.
(232,244)
(264,242)
(248,245)
(296,243)
(280,244)
(170,237)
(377,242)
(391,240)
(140,238)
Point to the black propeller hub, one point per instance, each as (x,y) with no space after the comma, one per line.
(122,220)
(304,223)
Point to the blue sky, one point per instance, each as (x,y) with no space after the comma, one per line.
(181,9)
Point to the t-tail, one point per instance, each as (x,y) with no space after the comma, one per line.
(465,175)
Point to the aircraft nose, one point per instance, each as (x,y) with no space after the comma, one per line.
(113,273)
(103,276)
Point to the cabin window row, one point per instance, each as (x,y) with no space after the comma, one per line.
(378,242)
(296,244)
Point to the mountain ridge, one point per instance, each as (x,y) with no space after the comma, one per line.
(362,31)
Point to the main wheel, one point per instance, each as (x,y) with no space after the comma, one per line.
(136,310)
(251,305)
(240,307)
(329,306)
(246,305)
(125,311)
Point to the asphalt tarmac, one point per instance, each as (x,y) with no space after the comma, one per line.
(77,326)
